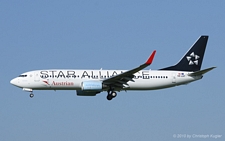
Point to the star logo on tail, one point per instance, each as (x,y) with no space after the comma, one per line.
(193,59)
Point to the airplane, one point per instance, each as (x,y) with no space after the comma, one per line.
(93,82)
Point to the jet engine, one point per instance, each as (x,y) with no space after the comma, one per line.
(87,93)
(91,86)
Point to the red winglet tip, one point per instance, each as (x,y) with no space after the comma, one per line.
(150,59)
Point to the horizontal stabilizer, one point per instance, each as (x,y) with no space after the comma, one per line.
(201,72)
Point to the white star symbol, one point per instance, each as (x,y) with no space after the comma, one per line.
(196,57)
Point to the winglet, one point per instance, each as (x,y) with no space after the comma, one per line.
(150,59)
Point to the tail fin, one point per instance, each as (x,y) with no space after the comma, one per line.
(192,60)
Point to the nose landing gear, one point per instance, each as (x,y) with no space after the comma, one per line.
(29,90)
(31,95)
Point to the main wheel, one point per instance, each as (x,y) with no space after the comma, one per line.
(114,94)
(31,95)
(109,97)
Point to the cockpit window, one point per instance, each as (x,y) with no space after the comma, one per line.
(23,75)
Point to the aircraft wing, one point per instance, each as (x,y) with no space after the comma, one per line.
(120,80)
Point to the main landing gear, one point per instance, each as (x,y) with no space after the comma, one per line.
(31,95)
(111,94)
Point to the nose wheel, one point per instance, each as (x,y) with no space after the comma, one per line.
(31,95)
(111,95)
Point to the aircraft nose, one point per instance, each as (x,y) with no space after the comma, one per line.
(13,81)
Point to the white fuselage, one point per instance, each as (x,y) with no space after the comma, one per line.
(72,79)
(92,82)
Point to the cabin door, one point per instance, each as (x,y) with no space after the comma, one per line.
(173,77)
(36,76)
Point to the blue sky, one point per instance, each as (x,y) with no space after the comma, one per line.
(110,35)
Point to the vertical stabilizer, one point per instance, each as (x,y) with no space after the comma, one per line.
(192,60)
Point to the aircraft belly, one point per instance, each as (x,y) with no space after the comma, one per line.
(150,84)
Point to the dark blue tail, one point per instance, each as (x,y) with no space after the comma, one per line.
(192,60)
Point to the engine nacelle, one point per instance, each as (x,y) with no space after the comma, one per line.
(91,86)
(87,93)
